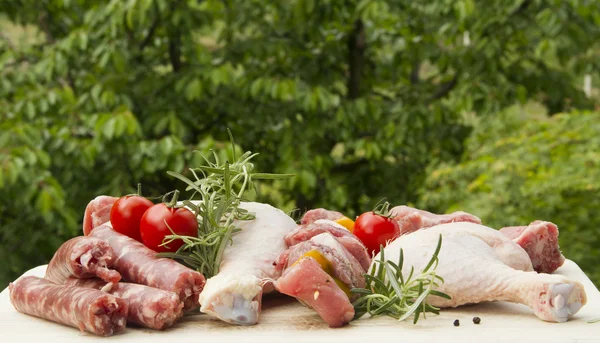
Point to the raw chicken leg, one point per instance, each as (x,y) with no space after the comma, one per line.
(540,241)
(479,264)
(248,267)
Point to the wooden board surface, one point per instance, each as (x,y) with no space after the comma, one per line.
(285,320)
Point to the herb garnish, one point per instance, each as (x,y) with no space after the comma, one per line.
(219,186)
(388,292)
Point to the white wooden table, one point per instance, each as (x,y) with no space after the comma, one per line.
(285,320)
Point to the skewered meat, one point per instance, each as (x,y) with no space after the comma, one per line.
(320,273)
(343,236)
(309,283)
(320,213)
(343,265)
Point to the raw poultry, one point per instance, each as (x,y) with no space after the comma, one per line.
(249,266)
(480,264)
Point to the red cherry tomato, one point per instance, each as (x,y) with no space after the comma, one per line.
(375,230)
(126,213)
(153,226)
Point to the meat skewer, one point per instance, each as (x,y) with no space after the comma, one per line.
(139,264)
(148,307)
(342,264)
(82,257)
(310,284)
(84,308)
(342,235)
(313,215)
(320,273)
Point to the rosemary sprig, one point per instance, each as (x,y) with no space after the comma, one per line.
(219,187)
(388,292)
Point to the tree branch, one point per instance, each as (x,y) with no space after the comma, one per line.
(444,88)
(152,29)
(44,24)
(130,35)
(521,8)
(356,58)
(71,80)
(150,34)
(488,30)
(175,52)
(414,74)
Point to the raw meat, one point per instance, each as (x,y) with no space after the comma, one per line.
(345,267)
(309,283)
(479,264)
(343,236)
(320,213)
(540,241)
(412,219)
(87,309)
(138,264)
(147,306)
(97,212)
(83,257)
(248,267)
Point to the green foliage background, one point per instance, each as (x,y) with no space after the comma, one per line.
(361,99)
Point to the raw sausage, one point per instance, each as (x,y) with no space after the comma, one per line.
(149,307)
(82,257)
(97,212)
(84,308)
(139,264)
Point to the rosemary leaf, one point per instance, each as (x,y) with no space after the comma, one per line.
(389,292)
(435,255)
(266,176)
(218,188)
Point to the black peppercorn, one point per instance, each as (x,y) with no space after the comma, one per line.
(476,320)
(456,322)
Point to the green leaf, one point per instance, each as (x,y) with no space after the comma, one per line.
(193,90)
(109,128)
(44,201)
(120,126)
(464,8)
(267,176)
(83,40)
(522,94)
(30,110)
